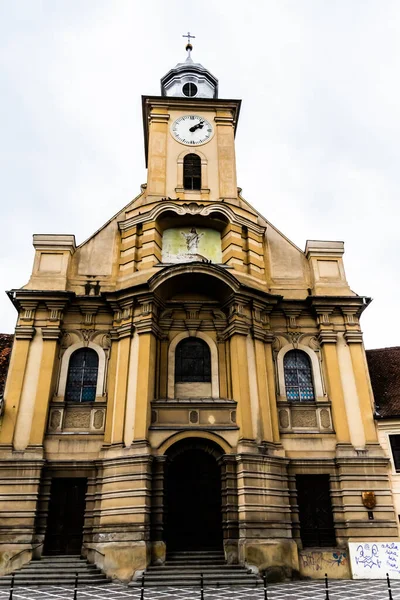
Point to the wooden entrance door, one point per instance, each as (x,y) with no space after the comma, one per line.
(315,510)
(64,532)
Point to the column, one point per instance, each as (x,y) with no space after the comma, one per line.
(15,380)
(240,384)
(272,389)
(265,402)
(44,386)
(327,340)
(351,399)
(354,341)
(145,383)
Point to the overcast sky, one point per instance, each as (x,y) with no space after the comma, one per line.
(317,143)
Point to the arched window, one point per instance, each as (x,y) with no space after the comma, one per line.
(82,376)
(192,172)
(192,361)
(298,376)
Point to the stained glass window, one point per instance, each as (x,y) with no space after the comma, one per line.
(298,376)
(192,172)
(192,361)
(82,376)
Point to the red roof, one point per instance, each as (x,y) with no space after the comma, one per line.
(6,342)
(384,370)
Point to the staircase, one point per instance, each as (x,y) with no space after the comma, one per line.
(185,568)
(56,570)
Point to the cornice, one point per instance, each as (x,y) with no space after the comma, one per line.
(19,296)
(352,304)
(200,209)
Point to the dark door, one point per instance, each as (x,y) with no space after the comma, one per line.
(193,502)
(64,532)
(315,510)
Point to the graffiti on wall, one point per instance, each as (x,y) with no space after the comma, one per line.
(372,560)
(319,561)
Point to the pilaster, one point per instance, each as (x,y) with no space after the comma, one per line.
(157,151)
(226,154)
(327,340)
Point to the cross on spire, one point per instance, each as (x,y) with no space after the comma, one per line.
(189,46)
(188,36)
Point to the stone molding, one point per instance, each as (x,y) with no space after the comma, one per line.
(24,332)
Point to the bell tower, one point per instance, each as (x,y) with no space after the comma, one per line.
(190,137)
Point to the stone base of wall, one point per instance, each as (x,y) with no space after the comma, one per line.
(278,559)
(121,561)
(315,562)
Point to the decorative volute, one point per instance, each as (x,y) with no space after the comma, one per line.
(189,79)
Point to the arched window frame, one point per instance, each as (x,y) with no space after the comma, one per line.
(315,367)
(190,172)
(214,362)
(206,358)
(204,172)
(65,365)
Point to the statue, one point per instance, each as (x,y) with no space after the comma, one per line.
(192,240)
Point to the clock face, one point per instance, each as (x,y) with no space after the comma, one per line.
(192,130)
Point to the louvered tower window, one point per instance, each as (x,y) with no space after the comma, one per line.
(192,172)
(192,361)
(82,376)
(298,376)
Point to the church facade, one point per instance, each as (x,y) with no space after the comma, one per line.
(188,378)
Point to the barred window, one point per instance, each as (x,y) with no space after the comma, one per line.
(298,376)
(82,376)
(192,172)
(192,361)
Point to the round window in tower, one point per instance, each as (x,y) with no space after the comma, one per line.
(189,89)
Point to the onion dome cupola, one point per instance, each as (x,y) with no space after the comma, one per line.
(189,79)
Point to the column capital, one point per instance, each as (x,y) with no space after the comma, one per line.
(353,337)
(24,332)
(327,336)
(51,333)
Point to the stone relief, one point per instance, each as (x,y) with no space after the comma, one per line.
(194,416)
(325,418)
(304,418)
(98,419)
(77,419)
(55,419)
(284,419)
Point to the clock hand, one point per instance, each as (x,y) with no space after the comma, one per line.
(199,125)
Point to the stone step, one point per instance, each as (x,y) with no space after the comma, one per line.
(52,580)
(247,580)
(196,576)
(60,570)
(197,569)
(194,553)
(61,557)
(195,563)
(67,570)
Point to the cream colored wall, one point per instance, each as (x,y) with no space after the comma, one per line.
(175,149)
(385,428)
